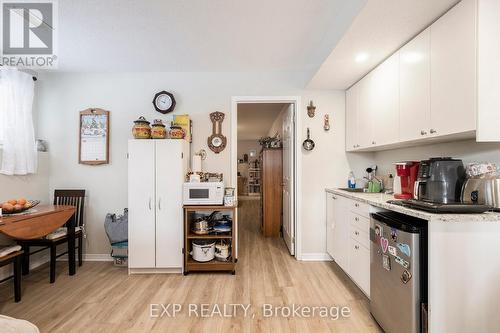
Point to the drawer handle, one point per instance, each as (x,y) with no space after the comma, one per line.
(356,233)
(357,205)
(433,131)
(422,132)
(356,247)
(356,219)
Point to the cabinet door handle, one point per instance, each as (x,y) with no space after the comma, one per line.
(334,197)
(159,204)
(357,205)
(356,247)
(149,204)
(422,132)
(433,131)
(373,143)
(356,219)
(356,233)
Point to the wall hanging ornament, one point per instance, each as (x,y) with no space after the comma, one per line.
(311,109)
(326,124)
(217,142)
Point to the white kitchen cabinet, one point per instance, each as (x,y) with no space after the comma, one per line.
(359,265)
(453,70)
(384,100)
(488,67)
(351,140)
(364,110)
(347,237)
(156,171)
(337,235)
(415,88)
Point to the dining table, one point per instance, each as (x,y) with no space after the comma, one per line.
(40,221)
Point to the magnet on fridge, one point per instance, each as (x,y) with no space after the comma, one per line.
(378,230)
(392,250)
(402,262)
(405,248)
(394,234)
(384,243)
(386,262)
(405,277)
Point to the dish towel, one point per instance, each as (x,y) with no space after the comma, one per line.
(9,249)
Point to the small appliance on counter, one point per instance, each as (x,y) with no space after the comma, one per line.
(438,188)
(203,193)
(482,185)
(440,180)
(406,173)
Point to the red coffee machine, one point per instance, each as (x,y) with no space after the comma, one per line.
(407,172)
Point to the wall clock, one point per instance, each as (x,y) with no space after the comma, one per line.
(217,142)
(164,102)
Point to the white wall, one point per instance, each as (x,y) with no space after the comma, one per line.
(468,151)
(33,187)
(129,95)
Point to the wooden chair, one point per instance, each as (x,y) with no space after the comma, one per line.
(15,258)
(61,197)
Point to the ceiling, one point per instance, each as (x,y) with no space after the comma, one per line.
(381,28)
(256,119)
(200,35)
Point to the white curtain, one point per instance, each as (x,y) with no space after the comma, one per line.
(19,154)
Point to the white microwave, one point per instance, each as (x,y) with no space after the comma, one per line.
(207,193)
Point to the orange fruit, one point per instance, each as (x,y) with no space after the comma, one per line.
(12,201)
(7,207)
(22,201)
(17,207)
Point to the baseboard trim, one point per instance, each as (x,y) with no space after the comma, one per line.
(174,270)
(91,257)
(315,257)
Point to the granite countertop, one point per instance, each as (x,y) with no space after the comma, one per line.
(380,200)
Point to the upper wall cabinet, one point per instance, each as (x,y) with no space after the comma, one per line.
(385,102)
(443,85)
(488,70)
(453,71)
(415,88)
(351,100)
(372,107)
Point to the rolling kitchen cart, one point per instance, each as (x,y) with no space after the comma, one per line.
(191,265)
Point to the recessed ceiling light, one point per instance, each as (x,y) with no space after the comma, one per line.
(361,57)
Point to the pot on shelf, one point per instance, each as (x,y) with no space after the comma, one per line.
(158,130)
(203,250)
(141,129)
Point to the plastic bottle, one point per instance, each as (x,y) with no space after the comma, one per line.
(351,182)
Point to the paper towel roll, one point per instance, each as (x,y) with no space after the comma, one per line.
(196,163)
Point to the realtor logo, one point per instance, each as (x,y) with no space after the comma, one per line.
(28,33)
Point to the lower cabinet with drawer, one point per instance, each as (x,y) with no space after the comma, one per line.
(347,237)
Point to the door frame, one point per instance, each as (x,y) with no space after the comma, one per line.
(297,162)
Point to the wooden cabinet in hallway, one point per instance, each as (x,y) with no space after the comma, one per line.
(272,174)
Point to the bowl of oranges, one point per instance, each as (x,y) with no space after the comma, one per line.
(14,206)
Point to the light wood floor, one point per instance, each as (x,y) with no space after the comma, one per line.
(103,298)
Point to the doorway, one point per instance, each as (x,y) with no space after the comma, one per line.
(264,164)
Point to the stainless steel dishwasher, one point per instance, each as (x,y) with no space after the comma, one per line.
(398,271)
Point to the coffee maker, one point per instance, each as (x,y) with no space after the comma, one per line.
(407,174)
(440,180)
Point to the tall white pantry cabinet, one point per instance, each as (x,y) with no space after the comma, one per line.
(156,171)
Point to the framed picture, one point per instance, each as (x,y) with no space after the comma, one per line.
(93,146)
